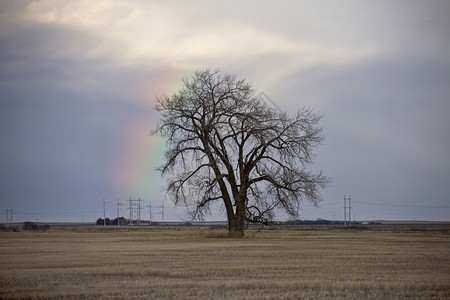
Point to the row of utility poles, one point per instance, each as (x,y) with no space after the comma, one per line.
(134,207)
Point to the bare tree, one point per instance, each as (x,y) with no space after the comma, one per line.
(225,144)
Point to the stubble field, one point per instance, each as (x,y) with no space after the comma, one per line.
(199,263)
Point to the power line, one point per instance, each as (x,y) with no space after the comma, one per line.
(399,214)
(333,203)
(58,213)
(401,205)
(321,204)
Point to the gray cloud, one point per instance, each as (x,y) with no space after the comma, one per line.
(77,80)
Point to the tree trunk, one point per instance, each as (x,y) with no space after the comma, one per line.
(237,223)
(235,229)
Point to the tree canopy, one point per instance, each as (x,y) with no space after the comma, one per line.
(224,143)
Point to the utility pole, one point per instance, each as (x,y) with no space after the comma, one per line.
(162,212)
(131,212)
(150,214)
(347,210)
(118,215)
(104,212)
(139,211)
(350,209)
(135,211)
(9,216)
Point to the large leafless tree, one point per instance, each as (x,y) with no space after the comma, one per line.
(226,144)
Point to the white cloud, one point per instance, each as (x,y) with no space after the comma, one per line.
(156,33)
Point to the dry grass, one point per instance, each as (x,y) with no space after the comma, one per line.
(197,263)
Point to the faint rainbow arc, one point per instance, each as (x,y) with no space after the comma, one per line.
(142,152)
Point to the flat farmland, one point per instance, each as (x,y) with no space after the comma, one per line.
(200,263)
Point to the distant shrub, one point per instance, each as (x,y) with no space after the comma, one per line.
(122,221)
(101,221)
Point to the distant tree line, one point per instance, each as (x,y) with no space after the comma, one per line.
(108,221)
(28,226)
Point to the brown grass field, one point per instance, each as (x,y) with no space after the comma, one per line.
(200,263)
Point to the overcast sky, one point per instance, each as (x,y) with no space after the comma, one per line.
(78,80)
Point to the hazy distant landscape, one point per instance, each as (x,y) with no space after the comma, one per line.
(179,262)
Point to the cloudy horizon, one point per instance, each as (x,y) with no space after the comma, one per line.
(78,80)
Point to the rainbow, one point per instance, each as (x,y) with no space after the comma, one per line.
(141,152)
